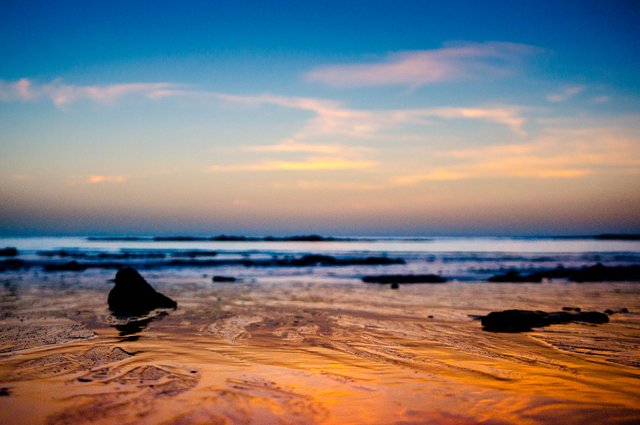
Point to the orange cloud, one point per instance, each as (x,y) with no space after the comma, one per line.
(559,153)
(97,179)
(310,164)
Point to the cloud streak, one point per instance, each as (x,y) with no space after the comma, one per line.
(293,146)
(99,179)
(332,118)
(308,164)
(565,94)
(61,94)
(419,68)
(560,153)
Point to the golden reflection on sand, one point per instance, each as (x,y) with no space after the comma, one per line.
(307,353)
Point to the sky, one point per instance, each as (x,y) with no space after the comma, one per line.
(407,118)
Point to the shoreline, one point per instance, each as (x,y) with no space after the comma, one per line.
(319,352)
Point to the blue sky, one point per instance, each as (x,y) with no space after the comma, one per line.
(331,117)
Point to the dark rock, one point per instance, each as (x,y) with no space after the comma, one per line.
(313,260)
(194,254)
(404,278)
(591,317)
(601,273)
(595,273)
(132,295)
(8,252)
(395,285)
(126,255)
(71,266)
(224,279)
(12,264)
(609,312)
(62,254)
(513,276)
(624,310)
(5,392)
(524,320)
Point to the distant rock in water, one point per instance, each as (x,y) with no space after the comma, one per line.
(224,279)
(71,266)
(404,278)
(524,320)
(12,264)
(596,273)
(132,295)
(513,276)
(8,252)
(194,254)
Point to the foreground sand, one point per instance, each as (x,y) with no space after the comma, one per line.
(301,352)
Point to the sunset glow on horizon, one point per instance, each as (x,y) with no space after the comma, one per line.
(289,118)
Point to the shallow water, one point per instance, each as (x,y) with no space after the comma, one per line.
(305,350)
(458,259)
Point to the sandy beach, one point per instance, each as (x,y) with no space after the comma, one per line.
(313,352)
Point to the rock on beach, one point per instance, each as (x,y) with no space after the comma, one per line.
(132,295)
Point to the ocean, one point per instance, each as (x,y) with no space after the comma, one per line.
(454,258)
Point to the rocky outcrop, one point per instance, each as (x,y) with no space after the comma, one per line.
(525,320)
(133,296)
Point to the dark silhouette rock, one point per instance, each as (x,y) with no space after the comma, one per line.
(596,273)
(513,276)
(602,273)
(71,266)
(5,392)
(224,279)
(404,278)
(132,295)
(395,285)
(8,252)
(525,320)
(12,264)
(194,254)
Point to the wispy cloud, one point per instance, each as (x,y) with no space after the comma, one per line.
(418,68)
(293,146)
(565,94)
(599,100)
(62,94)
(332,118)
(99,179)
(559,153)
(308,164)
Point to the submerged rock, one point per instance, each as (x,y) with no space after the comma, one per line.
(404,278)
(132,295)
(12,264)
(71,266)
(596,273)
(524,320)
(513,276)
(224,279)
(8,252)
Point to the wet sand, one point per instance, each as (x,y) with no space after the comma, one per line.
(306,352)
